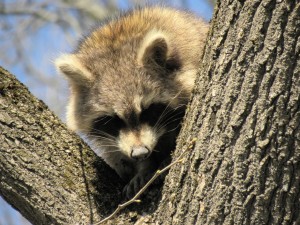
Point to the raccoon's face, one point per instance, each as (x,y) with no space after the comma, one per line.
(131,100)
(138,135)
(135,114)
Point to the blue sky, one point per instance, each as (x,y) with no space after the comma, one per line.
(44,46)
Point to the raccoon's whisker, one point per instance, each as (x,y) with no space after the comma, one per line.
(176,108)
(106,146)
(172,129)
(108,120)
(165,112)
(177,94)
(102,137)
(165,124)
(100,119)
(111,152)
(163,115)
(179,106)
(172,116)
(177,115)
(169,118)
(103,133)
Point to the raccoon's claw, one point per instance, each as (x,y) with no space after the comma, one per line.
(135,185)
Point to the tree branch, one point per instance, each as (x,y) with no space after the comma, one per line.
(47,172)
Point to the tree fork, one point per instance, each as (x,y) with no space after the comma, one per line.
(245,114)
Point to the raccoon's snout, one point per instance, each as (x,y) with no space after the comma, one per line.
(139,152)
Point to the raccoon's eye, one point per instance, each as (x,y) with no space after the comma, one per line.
(110,125)
(152,114)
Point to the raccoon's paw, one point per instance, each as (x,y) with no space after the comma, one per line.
(136,184)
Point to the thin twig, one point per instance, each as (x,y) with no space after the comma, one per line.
(143,189)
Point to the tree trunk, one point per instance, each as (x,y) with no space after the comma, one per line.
(245,166)
(46,171)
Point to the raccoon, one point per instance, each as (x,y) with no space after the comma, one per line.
(130,81)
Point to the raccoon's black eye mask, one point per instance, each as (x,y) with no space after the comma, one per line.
(112,124)
(108,124)
(155,114)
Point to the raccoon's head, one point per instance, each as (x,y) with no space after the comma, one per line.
(130,97)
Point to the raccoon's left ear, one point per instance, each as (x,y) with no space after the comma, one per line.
(155,52)
(73,69)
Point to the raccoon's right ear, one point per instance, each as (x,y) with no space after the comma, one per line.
(154,50)
(73,69)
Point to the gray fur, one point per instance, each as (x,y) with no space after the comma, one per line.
(142,60)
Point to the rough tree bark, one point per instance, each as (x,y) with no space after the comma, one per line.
(245,165)
(46,171)
(245,113)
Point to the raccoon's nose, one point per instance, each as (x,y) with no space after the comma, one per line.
(139,152)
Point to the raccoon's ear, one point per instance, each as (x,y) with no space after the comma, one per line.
(73,69)
(154,50)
